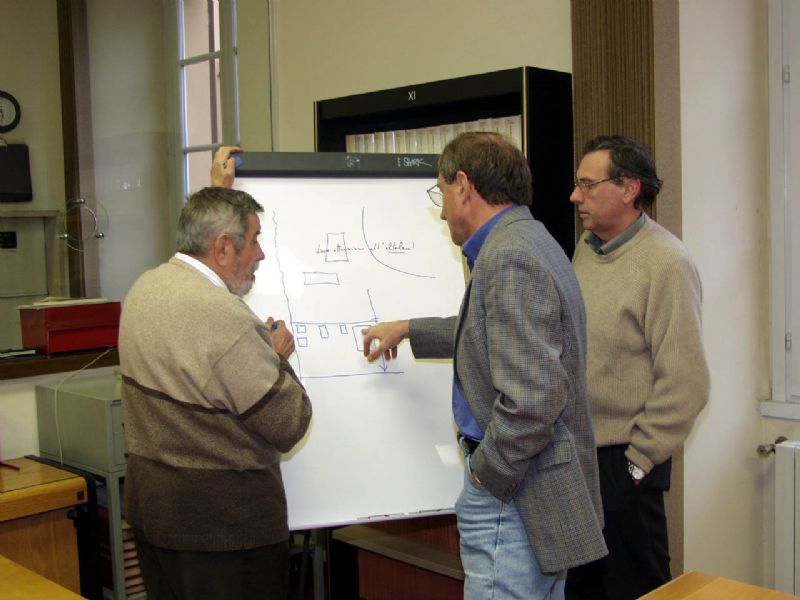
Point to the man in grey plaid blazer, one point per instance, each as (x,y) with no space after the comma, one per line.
(530,507)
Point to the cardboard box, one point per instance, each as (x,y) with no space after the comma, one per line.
(69,326)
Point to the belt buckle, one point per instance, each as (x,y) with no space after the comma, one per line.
(467,445)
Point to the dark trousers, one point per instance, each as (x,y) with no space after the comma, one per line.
(635,533)
(255,574)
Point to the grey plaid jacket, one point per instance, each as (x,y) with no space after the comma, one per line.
(519,349)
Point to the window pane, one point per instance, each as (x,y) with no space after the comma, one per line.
(215,25)
(198,170)
(238,132)
(216,132)
(793,257)
(202,103)
(200,36)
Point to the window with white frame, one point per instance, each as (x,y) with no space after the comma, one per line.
(784,108)
(208,85)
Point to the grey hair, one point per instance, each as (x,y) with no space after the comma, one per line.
(211,212)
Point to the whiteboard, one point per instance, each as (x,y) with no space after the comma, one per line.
(343,253)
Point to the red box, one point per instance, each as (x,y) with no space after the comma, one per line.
(68,327)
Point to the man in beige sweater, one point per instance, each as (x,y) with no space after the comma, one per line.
(210,402)
(646,368)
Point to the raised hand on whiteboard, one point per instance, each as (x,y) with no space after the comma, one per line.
(383,338)
(223,168)
(282,338)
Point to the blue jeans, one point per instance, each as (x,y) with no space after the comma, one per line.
(498,560)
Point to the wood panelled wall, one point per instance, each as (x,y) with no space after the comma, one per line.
(612,68)
(612,73)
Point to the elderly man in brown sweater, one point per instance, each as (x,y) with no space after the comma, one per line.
(210,403)
(646,368)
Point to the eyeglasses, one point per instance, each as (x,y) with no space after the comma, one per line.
(436,195)
(586,185)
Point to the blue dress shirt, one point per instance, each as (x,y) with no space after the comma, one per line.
(461,412)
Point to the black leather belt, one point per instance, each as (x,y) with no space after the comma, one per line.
(468,445)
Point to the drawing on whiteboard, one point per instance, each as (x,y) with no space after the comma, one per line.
(335,248)
(393,249)
(318,278)
(332,346)
(358,419)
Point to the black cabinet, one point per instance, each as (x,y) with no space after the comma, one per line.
(542,97)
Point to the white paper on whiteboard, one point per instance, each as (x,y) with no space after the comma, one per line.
(341,254)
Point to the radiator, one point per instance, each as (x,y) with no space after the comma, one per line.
(787,517)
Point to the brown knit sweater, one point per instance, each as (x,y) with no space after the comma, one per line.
(209,407)
(646,368)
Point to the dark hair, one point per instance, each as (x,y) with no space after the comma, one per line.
(211,212)
(497,168)
(629,158)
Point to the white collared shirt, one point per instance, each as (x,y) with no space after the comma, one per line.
(203,268)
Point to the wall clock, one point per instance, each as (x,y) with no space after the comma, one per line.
(10,112)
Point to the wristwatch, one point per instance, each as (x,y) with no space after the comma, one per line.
(636,472)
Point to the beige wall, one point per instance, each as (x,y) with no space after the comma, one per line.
(724,126)
(29,71)
(330,48)
(255,113)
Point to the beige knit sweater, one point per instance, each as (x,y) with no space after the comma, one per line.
(646,368)
(209,407)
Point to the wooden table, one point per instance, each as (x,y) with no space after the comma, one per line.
(19,583)
(700,586)
(35,528)
(56,363)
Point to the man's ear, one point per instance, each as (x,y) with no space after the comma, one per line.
(465,187)
(462,180)
(222,249)
(632,188)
